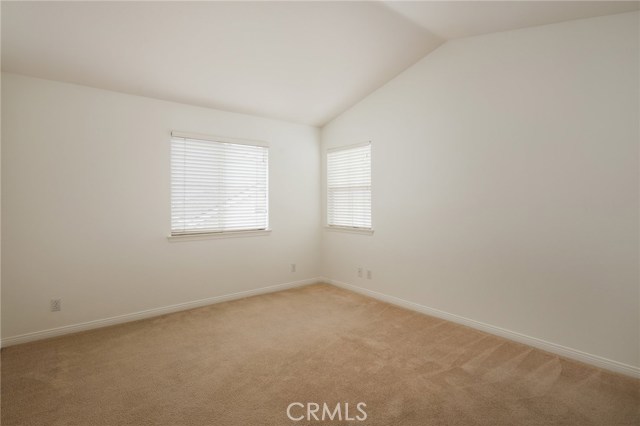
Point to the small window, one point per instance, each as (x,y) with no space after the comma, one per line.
(218,186)
(349,187)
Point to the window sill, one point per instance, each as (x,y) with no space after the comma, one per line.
(363,231)
(217,235)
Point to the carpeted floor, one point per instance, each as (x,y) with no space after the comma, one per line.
(244,362)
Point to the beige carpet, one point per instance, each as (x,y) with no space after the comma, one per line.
(244,362)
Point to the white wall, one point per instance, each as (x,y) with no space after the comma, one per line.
(85,208)
(505,191)
(505,184)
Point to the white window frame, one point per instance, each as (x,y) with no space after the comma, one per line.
(225,233)
(350,229)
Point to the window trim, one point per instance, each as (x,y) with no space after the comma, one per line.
(194,236)
(217,235)
(348,229)
(222,139)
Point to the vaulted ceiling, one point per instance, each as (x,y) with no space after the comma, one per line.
(304,62)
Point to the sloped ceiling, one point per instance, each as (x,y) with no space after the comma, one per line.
(304,62)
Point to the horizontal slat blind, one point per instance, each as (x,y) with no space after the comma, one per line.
(218,186)
(349,187)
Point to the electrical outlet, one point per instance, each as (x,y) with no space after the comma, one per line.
(369,274)
(56,305)
(360,272)
(293,267)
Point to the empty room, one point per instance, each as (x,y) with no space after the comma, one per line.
(375,213)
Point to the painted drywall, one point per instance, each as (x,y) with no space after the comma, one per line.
(86,214)
(505,184)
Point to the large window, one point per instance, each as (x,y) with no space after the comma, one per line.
(217,185)
(349,187)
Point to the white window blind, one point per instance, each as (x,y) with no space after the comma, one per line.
(218,186)
(349,187)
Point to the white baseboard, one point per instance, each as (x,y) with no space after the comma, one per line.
(587,358)
(564,351)
(89,325)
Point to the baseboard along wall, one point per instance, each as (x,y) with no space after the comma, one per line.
(564,351)
(149,313)
(595,360)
